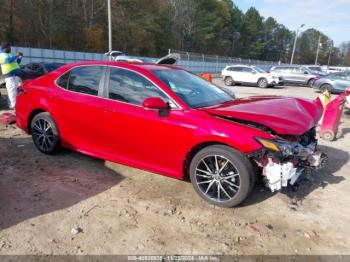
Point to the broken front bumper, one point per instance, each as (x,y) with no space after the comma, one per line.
(279,171)
(278,175)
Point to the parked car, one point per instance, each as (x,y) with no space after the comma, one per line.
(33,70)
(251,75)
(316,69)
(294,74)
(167,120)
(336,82)
(331,69)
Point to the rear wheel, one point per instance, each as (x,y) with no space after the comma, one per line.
(45,133)
(221,175)
(229,81)
(263,83)
(311,82)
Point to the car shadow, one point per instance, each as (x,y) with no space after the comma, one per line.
(343,132)
(33,184)
(278,87)
(307,183)
(3,100)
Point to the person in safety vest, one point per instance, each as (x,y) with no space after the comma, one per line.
(11,71)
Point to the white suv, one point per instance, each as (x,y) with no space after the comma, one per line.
(251,75)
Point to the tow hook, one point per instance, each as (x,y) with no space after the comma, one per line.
(317,160)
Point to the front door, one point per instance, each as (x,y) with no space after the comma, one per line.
(137,136)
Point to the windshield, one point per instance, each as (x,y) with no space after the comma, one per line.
(192,89)
(258,69)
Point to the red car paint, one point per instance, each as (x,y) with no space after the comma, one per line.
(139,137)
(7,119)
(284,115)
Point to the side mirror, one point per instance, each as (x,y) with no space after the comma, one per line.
(156,103)
(306,72)
(253,72)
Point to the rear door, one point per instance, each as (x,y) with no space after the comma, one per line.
(289,74)
(236,73)
(284,72)
(78,109)
(298,76)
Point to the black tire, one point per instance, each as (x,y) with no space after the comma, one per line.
(311,82)
(236,178)
(263,83)
(45,133)
(325,87)
(229,81)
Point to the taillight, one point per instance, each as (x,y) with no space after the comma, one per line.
(21,90)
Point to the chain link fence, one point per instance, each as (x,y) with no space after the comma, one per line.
(202,63)
(197,63)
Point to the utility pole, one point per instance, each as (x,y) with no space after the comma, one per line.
(50,22)
(295,43)
(330,53)
(109,27)
(318,48)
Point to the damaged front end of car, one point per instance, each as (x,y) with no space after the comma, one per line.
(284,159)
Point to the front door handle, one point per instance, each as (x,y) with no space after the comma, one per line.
(110,110)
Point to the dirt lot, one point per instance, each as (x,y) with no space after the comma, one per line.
(121,210)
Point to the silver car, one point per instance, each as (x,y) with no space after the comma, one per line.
(336,82)
(294,74)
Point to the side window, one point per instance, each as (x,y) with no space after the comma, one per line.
(247,70)
(297,70)
(62,81)
(85,79)
(127,86)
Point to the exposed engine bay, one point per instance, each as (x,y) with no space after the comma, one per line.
(283,160)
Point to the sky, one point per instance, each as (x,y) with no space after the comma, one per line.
(332,17)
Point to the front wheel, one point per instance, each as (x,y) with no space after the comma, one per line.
(45,133)
(326,87)
(229,81)
(221,175)
(262,83)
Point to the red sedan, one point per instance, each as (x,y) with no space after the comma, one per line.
(169,121)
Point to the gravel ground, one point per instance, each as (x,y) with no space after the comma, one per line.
(75,204)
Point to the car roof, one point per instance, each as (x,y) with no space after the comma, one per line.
(131,65)
(239,65)
(284,66)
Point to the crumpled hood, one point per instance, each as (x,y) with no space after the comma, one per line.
(284,115)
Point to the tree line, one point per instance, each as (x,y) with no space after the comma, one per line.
(151,27)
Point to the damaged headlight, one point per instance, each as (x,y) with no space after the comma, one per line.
(285,148)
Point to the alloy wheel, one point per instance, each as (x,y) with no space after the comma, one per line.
(43,134)
(217,178)
(263,83)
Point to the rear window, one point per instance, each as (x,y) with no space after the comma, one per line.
(279,69)
(235,68)
(53,66)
